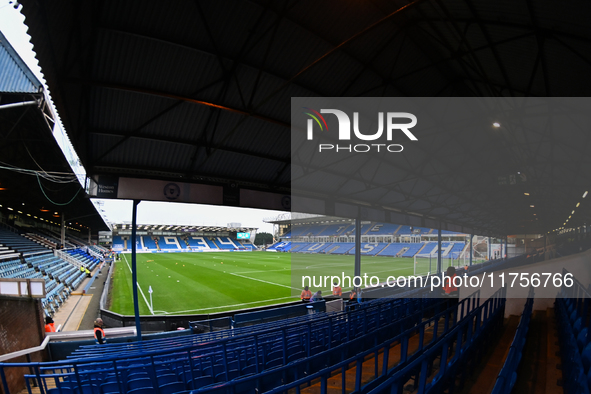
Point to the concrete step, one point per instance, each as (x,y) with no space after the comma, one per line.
(486,375)
(538,372)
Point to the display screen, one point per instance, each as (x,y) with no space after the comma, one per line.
(243,235)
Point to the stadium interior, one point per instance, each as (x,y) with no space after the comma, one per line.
(189,101)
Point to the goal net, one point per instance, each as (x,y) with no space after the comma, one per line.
(427,263)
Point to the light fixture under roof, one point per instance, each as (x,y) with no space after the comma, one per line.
(496,124)
(585,195)
(578,204)
(527,194)
(573,212)
(531,206)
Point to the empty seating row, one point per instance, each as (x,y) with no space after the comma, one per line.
(174,243)
(19,243)
(41,240)
(572,309)
(374,228)
(14,263)
(7,253)
(508,374)
(369,249)
(17,271)
(55,294)
(55,268)
(412,249)
(84,258)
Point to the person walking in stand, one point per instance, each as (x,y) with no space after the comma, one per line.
(450,291)
(306,294)
(49,324)
(99,333)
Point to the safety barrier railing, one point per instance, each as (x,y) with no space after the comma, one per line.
(66,257)
(572,314)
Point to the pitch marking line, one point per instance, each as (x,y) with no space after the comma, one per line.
(255,272)
(138,286)
(264,281)
(226,306)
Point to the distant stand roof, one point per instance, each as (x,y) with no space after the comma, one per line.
(37,182)
(15,76)
(181,228)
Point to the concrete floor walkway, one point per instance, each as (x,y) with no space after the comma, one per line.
(82,308)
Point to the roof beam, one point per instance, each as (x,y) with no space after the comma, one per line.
(173,96)
(183,141)
(492,47)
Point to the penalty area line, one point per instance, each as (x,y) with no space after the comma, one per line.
(227,306)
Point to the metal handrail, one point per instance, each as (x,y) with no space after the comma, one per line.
(55,336)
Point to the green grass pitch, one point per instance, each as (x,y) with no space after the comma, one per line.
(202,283)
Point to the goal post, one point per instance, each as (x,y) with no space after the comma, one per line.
(424,264)
(427,263)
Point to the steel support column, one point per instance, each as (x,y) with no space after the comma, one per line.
(439,270)
(63,231)
(471,248)
(136,306)
(358,247)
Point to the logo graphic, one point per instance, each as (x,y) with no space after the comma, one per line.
(310,124)
(390,122)
(172,191)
